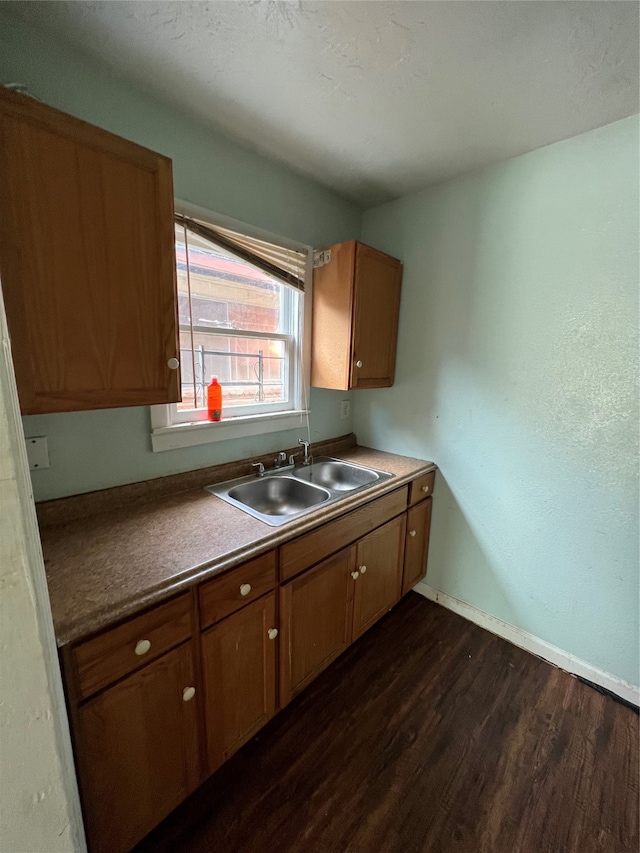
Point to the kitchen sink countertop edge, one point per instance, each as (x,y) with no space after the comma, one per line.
(108,566)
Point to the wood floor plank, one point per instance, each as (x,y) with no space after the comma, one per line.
(429,735)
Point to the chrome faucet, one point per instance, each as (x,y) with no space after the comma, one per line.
(260,467)
(305,445)
(282,457)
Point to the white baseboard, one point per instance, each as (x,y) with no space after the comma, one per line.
(552,654)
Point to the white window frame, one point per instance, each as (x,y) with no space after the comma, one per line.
(171,429)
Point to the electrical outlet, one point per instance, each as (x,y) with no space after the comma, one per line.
(345,409)
(37,452)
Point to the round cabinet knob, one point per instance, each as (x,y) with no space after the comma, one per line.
(142,647)
(173,364)
(425,489)
(355,575)
(272,633)
(363,569)
(358,364)
(412,533)
(188,693)
(245,589)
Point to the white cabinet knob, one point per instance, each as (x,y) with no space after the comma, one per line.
(142,647)
(425,489)
(173,364)
(272,633)
(245,589)
(355,575)
(358,364)
(188,693)
(412,533)
(363,569)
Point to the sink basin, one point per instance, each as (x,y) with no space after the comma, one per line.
(283,494)
(336,475)
(279,495)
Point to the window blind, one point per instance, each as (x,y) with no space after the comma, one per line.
(287,265)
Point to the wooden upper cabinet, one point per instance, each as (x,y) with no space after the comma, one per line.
(356,303)
(87,263)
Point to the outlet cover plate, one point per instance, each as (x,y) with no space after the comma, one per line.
(37,452)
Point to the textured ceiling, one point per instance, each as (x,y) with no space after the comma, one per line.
(372,99)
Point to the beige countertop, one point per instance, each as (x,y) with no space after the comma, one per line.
(105,566)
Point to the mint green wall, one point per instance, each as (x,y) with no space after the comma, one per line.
(517,373)
(93,450)
(517,355)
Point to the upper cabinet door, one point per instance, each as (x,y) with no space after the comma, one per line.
(375,326)
(87,262)
(356,303)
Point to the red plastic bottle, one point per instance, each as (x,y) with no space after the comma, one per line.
(214,400)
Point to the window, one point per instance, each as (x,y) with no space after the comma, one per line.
(241,318)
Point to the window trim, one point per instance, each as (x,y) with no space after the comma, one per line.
(169,435)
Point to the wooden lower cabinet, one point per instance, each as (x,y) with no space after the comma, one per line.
(316,613)
(415,555)
(379,560)
(239,671)
(138,751)
(138,728)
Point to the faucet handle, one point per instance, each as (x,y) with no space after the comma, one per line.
(260,468)
(282,456)
(305,445)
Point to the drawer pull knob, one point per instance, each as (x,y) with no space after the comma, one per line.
(272,633)
(363,569)
(358,363)
(188,693)
(355,575)
(425,489)
(245,589)
(412,533)
(142,647)
(173,364)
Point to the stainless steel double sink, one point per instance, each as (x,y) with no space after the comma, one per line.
(280,495)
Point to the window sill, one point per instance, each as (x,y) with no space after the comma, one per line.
(203,432)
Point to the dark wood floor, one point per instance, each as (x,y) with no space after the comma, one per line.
(429,734)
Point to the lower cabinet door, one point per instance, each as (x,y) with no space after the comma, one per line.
(316,611)
(379,560)
(239,669)
(138,751)
(415,555)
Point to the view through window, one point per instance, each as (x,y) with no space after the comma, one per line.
(237,323)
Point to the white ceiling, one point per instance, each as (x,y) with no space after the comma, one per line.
(372,99)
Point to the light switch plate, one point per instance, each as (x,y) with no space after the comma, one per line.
(37,452)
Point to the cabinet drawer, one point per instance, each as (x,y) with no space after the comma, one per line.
(224,595)
(421,488)
(109,656)
(310,549)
